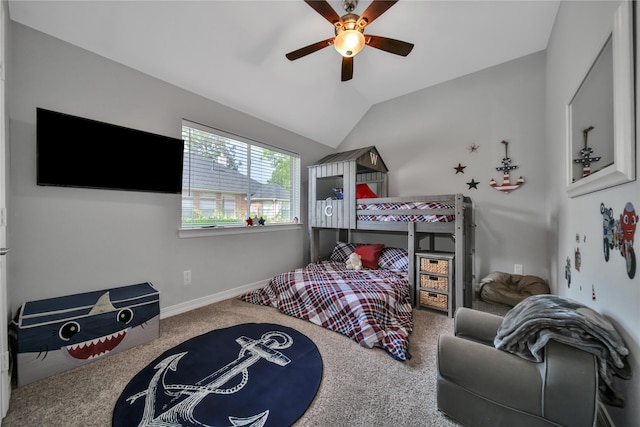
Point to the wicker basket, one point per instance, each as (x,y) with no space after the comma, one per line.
(439,266)
(434,300)
(434,282)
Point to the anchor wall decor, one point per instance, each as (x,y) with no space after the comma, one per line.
(586,152)
(506,167)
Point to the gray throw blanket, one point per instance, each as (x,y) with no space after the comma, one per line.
(528,327)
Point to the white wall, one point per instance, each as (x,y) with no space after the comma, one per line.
(68,240)
(578,33)
(423,136)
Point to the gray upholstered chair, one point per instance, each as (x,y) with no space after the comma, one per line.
(479,385)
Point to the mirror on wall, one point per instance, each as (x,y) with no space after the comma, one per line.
(600,115)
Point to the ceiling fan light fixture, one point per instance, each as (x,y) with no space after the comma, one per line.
(349,42)
(349,29)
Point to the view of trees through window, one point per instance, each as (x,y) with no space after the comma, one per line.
(227,179)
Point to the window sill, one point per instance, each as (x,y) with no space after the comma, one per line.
(188,233)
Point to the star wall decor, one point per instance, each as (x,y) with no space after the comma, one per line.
(473,148)
(459,168)
(473,184)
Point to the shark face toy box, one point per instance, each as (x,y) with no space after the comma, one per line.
(54,335)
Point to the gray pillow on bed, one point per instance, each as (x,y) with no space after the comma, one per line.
(394,259)
(342,251)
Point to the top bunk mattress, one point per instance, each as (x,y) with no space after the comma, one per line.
(406,211)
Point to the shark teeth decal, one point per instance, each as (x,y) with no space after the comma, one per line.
(97,347)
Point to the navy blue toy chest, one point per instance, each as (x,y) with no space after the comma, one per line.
(54,335)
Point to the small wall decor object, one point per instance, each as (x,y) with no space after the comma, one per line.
(473,184)
(620,234)
(249,222)
(459,168)
(261,221)
(473,148)
(610,228)
(578,259)
(506,167)
(593,292)
(586,153)
(628,225)
(567,272)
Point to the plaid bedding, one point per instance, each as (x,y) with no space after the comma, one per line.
(372,307)
(406,205)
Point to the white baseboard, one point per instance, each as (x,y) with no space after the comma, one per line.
(183,307)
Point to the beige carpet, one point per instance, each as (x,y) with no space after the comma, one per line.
(360,387)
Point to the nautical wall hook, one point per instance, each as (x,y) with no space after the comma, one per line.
(586,153)
(506,167)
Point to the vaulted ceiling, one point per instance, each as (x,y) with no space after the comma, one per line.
(233,52)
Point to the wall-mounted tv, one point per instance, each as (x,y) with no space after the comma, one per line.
(78,152)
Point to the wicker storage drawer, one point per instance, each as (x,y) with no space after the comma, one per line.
(432,299)
(434,282)
(440,266)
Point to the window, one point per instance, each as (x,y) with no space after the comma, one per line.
(227,179)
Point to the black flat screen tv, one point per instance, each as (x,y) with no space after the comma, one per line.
(78,152)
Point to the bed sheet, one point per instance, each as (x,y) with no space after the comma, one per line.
(399,206)
(372,307)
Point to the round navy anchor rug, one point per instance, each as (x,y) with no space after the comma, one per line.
(254,374)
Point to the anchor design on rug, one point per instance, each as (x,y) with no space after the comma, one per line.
(251,351)
(506,167)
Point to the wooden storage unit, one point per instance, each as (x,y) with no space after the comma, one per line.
(435,280)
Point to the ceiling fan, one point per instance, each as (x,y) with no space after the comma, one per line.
(349,33)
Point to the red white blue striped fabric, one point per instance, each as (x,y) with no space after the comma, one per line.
(430,217)
(372,307)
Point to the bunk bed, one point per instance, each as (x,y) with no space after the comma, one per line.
(336,183)
(348,194)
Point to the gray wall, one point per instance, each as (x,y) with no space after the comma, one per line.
(423,136)
(68,240)
(579,31)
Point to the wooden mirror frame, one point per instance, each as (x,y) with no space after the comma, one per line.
(623,168)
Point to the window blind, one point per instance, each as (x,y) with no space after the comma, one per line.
(228,179)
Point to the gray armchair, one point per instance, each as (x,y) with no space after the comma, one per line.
(479,385)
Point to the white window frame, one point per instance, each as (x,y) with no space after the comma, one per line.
(184,232)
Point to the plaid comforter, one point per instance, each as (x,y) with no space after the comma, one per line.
(372,307)
(399,206)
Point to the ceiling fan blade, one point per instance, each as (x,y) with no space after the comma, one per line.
(347,68)
(375,9)
(304,51)
(324,9)
(389,45)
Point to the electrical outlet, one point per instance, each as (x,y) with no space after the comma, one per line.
(518,269)
(186,277)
